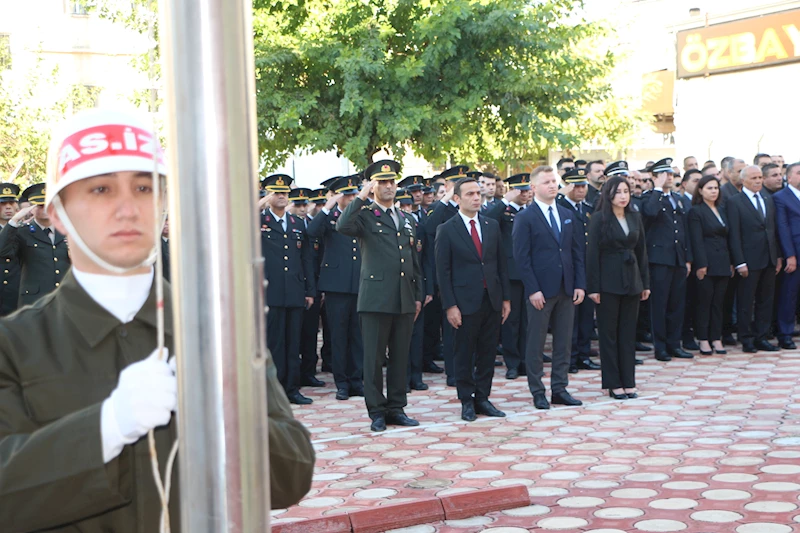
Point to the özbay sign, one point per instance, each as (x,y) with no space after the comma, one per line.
(742,44)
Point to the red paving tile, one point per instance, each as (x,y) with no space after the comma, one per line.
(711,445)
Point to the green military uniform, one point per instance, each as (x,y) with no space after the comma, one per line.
(391,284)
(59,360)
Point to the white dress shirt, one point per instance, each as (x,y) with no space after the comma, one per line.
(546,211)
(280,220)
(795,190)
(122,296)
(515,205)
(752,196)
(467,221)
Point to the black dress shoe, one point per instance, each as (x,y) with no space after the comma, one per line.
(564,398)
(728,340)
(679,353)
(485,408)
(342,394)
(621,396)
(748,347)
(512,373)
(765,346)
(643,347)
(299,399)
(638,361)
(540,401)
(787,345)
(379,424)
(546,358)
(498,363)
(451,381)
(573,369)
(419,385)
(587,364)
(468,411)
(691,345)
(400,419)
(662,355)
(311,381)
(432,368)
(357,391)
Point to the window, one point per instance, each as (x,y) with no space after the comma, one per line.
(78,7)
(5,51)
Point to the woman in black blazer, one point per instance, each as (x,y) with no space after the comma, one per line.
(708,231)
(617,278)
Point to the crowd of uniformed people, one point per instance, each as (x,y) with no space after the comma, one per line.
(652,260)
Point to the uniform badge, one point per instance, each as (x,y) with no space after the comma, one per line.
(316,246)
(419,247)
(299,245)
(377,212)
(411,240)
(264,227)
(291,218)
(33,230)
(267,218)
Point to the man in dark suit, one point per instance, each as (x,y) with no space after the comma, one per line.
(787,219)
(755,255)
(574,198)
(319,197)
(444,210)
(9,290)
(289,272)
(473,280)
(731,177)
(548,250)
(514,331)
(669,254)
(596,177)
(339,278)
(30,238)
(391,291)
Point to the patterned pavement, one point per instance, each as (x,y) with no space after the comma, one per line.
(712,445)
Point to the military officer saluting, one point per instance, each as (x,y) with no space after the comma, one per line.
(339,278)
(40,249)
(289,271)
(9,290)
(391,291)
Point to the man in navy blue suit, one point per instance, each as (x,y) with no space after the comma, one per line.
(473,280)
(548,250)
(787,219)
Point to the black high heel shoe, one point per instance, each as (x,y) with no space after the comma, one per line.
(616,396)
(631,395)
(710,352)
(721,352)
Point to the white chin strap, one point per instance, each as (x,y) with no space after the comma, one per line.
(74,237)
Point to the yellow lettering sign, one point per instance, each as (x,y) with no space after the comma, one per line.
(770,47)
(794,35)
(718,56)
(694,55)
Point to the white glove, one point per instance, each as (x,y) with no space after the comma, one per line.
(146,395)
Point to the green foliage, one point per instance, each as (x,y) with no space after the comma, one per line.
(475,80)
(31,103)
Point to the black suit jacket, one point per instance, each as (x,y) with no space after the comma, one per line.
(461,271)
(728,190)
(617,263)
(667,230)
(582,217)
(340,268)
(709,240)
(505,216)
(752,240)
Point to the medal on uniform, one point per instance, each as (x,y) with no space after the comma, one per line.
(264,227)
(316,246)
(299,244)
(411,240)
(419,246)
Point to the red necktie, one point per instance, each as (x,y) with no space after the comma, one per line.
(477,241)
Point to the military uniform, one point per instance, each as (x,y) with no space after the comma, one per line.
(514,332)
(668,251)
(43,262)
(52,386)
(339,278)
(9,288)
(391,284)
(289,271)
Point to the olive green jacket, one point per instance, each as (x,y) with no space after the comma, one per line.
(59,360)
(391,277)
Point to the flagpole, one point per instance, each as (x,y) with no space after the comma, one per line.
(217,269)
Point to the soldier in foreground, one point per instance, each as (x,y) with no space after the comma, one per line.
(79,396)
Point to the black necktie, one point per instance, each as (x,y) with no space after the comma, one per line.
(760,207)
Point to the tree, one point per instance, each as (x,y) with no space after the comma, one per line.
(476,80)
(32,101)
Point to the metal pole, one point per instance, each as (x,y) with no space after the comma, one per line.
(217,269)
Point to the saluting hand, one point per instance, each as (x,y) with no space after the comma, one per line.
(333,200)
(537,300)
(448,196)
(454,316)
(364,193)
(23,215)
(506,310)
(264,202)
(659,180)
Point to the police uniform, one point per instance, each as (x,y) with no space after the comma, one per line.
(442,213)
(9,290)
(43,262)
(326,352)
(339,278)
(514,332)
(310,327)
(668,251)
(289,272)
(391,285)
(424,251)
(584,313)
